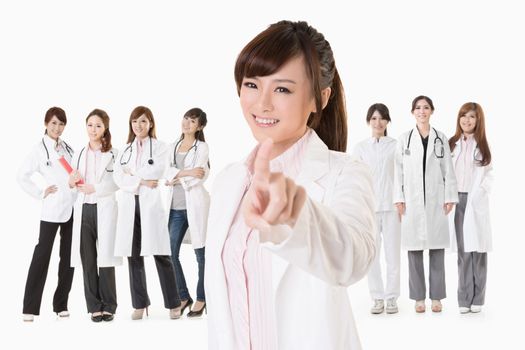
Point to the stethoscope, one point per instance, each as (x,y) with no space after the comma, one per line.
(65,146)
(439,149)
(174,163)
(112,160)
(476,155)
(130,148)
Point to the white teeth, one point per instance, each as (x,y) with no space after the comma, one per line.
(265,121)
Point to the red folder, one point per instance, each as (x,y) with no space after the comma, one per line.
(68,168)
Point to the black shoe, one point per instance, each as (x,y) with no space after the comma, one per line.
(188,304)
(97,318)
(108,317)
(197,313)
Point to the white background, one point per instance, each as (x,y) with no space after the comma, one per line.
(171,57)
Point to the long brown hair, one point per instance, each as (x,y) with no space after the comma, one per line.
(106,137)
(285,40)
(200,115)
(381,109)
(136,114)
(479,131)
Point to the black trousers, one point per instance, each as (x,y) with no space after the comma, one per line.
(36,277)
(137,272)
(99,282)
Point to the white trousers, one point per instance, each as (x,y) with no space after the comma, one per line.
(389,231)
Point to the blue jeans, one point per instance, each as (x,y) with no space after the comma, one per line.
(178,224)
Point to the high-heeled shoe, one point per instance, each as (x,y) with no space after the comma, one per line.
(187,304)
(138,314)
(97,318)
(437,306)
(175,313)
(197,313)
(420,306)
(63,313)
(107,317)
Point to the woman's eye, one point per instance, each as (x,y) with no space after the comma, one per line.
(250,85)
(282,89)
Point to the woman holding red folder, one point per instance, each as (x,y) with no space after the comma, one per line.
(57,210)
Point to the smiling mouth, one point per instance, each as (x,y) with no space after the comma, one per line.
(265,122)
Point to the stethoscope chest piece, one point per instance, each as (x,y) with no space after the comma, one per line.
(407,152)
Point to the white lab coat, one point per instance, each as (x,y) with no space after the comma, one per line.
(424,225)
(330,247)
(105,189)
(379,155)
(477,232)
(154,224)
(58,206)
(197,198)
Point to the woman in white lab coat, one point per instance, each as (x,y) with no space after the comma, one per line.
(470,221)
(95,217)
(57,212)
(188,201)
(293,225)
(378,152)
(424,193)
(142,227)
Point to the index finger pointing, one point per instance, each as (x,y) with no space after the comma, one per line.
(261,165)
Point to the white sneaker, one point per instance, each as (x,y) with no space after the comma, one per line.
(28,317)
(64,313)
(475,308)
(464,310)
(391,306)
(379,306)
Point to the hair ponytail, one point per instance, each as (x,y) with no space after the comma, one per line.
(332,125)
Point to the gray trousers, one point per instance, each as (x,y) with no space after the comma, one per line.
(472,266)
(99,282)
(416,274)
(137,272)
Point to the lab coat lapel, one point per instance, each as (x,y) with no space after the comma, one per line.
(229,191)
(430,145)
(105,160)
(455,153)
(315,165)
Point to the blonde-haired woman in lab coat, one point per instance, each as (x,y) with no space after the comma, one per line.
(470,221)
(189,201)
(95,217)
(424,193)
(57,212)
(292,225)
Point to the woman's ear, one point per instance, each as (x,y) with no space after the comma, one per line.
(325,96)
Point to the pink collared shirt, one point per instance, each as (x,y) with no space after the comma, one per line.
(93,161)
(248,267)
(140,150)
(465,163)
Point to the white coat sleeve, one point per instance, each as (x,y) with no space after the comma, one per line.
(336,242)
(201,162)
(107,186)
(398,195)
(171,171)
(26,170)
(126,182)
(449,175)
